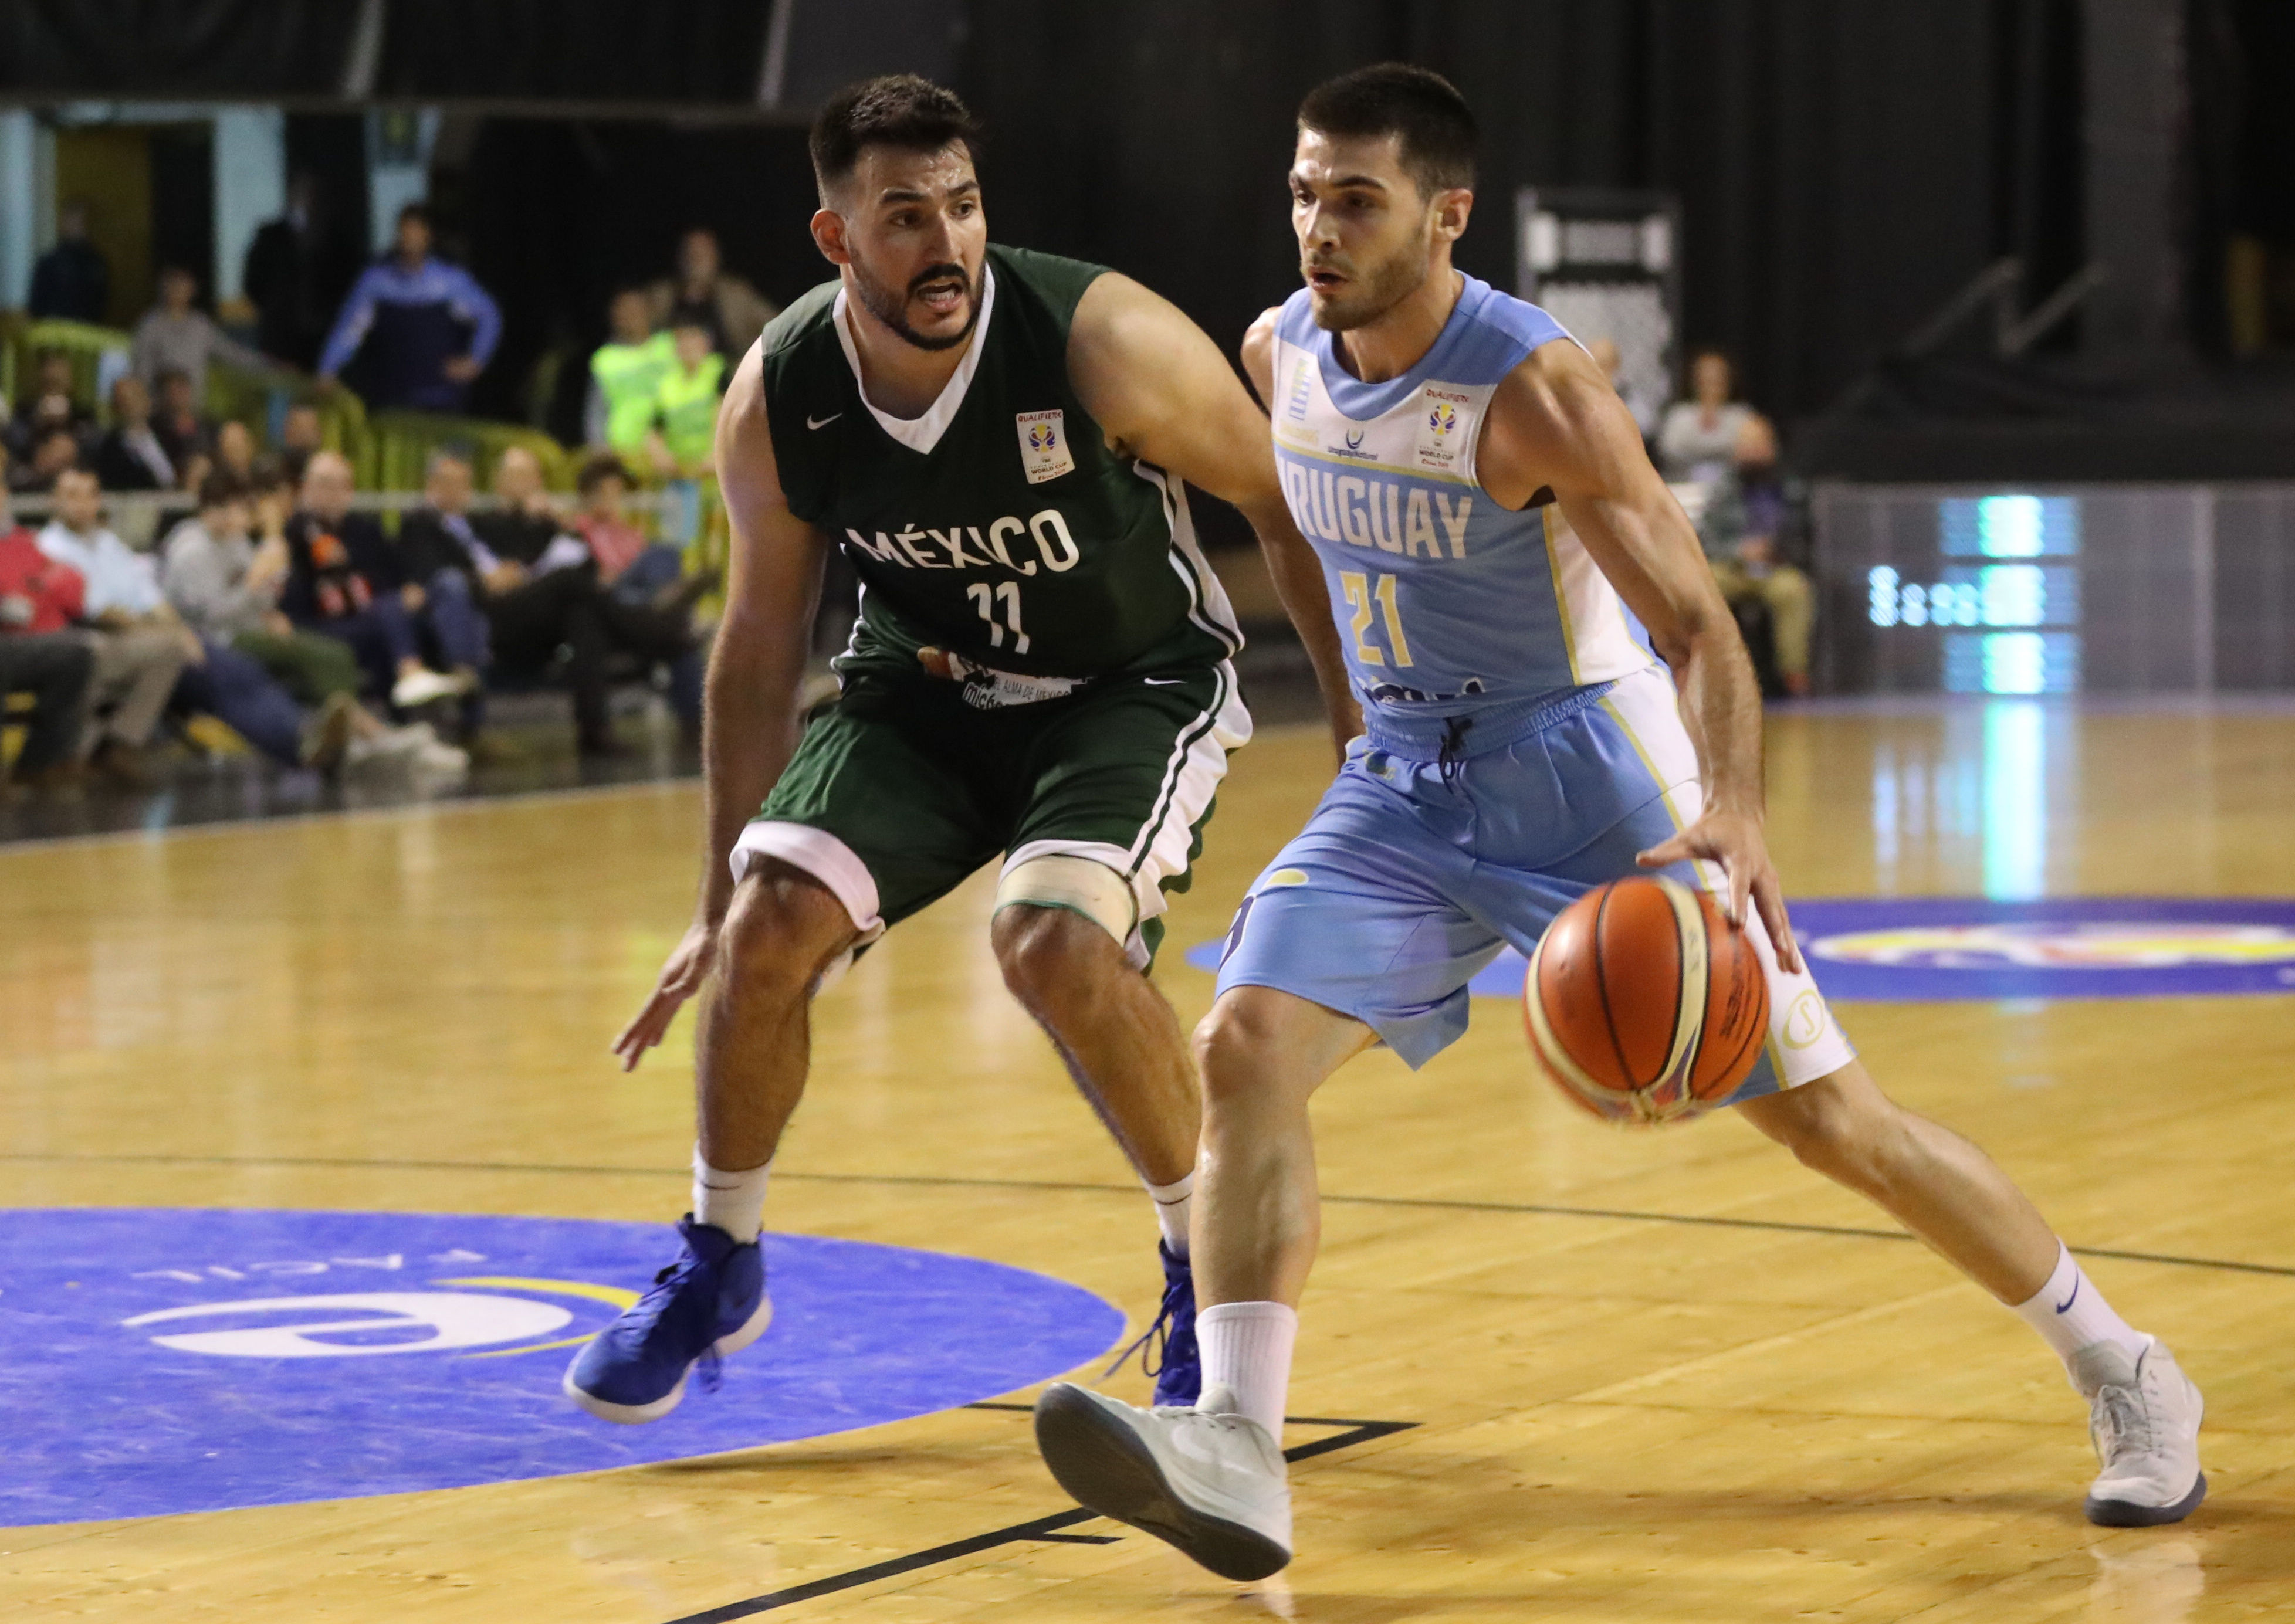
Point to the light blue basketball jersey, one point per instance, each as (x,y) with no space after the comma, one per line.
(1452,609)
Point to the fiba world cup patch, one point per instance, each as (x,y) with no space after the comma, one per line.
(1044,453)
(1444,427)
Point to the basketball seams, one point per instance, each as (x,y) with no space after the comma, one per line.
(1688,1012)
(1602,986)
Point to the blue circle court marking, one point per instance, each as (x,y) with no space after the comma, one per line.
(160,1361)
(1925,949)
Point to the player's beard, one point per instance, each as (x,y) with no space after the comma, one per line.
(1374,291)
(892,308)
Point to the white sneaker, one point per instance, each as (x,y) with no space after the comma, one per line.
(2144,1417)
(417,689)
(1213,1485)
(440,761)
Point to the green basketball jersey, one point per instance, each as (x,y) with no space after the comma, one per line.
(998,526)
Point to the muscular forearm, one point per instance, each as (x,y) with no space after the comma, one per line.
(1721,705)
(748,733)
(1298,578)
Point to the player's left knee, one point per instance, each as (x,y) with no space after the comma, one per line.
(1050,956)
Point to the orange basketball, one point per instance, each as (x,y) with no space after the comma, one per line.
(1644,1003)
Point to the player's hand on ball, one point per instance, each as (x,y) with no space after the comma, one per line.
(1734,841)
(681,978)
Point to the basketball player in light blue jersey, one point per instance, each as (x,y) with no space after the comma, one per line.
(1554,696)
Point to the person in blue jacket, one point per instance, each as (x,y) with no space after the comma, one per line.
(420,328)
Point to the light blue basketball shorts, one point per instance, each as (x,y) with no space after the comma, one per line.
(1405,883)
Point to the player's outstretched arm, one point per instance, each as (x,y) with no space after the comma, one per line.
(1163,392)
(1558,421)
(749,723)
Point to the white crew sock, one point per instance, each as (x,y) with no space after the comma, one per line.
(1172,1202)
(733,1202)
(2070,1314)
(1246,1349)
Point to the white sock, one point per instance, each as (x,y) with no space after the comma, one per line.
(1246,1349)
(733,1202)
(2070,1314)
(1172,1201)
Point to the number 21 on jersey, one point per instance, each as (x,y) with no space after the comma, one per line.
(1363,598)
(1006,594)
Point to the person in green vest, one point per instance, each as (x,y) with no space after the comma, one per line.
(625,376)
(999,443)
(685,406)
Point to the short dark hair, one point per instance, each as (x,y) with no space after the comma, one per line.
(597,467)
(417,211)
(220,487)
(1433,126)
(895,110)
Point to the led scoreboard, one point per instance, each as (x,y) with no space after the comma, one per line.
(2059,592)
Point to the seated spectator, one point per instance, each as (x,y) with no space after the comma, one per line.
(529,531)
(1731,449)
(176,336)
(625,376)
(140,648)
(728,309)
(48,404)
(183,431)
(39,655)
(346,581)
(57,450)
(422,329)
(129,457)
(71,282)
(225,586)
(634,567)
(301,436)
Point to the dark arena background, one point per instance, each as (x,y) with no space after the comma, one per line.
(315,1165)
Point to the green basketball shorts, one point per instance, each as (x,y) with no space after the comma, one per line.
(902,789)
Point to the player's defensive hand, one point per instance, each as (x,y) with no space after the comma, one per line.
(681,978)
(1734,840)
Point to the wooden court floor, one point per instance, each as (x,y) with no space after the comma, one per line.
(1645,1377)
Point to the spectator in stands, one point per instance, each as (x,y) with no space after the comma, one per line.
(226,587)
(631,565)
(685,436)
(129,457)
(50,401)
(40,656)
(176,335)
(234,448)
(56,450)
(294,274)
(141,648)
(71,282)
(345,581)
(727,308)
(1730,451)
(625,376)
(301,435)
(422,329)
(182,431)
(525,524)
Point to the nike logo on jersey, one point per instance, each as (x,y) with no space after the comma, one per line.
(2067,1301)
(821,422)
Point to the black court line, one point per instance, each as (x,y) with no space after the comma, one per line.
(1036,1531)
(1429,1204)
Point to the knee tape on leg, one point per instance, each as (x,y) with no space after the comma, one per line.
(1077,884)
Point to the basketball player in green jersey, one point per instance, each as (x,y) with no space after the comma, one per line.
(998,440)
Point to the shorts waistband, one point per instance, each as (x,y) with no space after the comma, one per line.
(1437,737)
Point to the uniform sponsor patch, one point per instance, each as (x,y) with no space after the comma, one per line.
(1044,453)
(1443,428)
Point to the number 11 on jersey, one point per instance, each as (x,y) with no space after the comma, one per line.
(1361,597)
(986,599)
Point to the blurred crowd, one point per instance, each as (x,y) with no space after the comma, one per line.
(274,602)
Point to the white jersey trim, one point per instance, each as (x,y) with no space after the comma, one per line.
(921,434)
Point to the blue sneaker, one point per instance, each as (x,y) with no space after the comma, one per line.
(1173,1361)
(709,1304)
